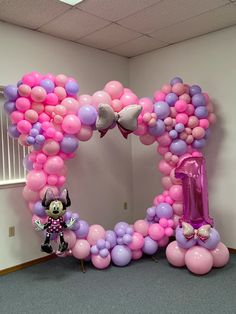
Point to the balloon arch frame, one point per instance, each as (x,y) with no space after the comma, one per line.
(47,115)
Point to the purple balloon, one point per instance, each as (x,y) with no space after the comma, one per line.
(30,140)
(120,231)
(9,107)
(13,132)
(75,215)
(40,139)
(194,89)
(101,243)
(121,255)
(34,132)
(151,211)
(178,147)
(199,144)
(179,127)
(94,250)
(111,237)
(69,144)
(27,164)
(150,246)
(162,109)
(198,100)
(173,134)
(37,126)
(129,230)
(182,241)
(39,210)
(104,252)
(212,242)
(10,92)
(87,114)
(37,146)
(83,230)
(120,240)
(201,112)
(127,238)
(158,129)
(176,80)
(76,226)
(171,99)
(107,245)
(48,85)
(164,210)
(72,88)
(67,215)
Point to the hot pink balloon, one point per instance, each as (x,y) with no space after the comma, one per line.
(53,165)
(137,241)
(96,232)
(71,124)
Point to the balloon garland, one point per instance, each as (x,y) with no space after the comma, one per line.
(47,115)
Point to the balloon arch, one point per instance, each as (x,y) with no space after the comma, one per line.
(47,115)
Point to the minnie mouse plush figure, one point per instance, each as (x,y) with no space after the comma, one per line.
(55,208)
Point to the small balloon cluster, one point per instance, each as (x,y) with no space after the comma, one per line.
(48,116)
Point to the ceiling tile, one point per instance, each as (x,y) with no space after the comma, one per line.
(108,37)
(31,14)
(73,24)
(168,12)
(114,10)
(199,25)
(138,46)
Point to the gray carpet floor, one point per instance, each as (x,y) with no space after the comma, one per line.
(58,286)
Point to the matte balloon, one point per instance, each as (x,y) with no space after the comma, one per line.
(87,114)
(175,254)
(162,109)
(81,249)
(10,92)
(35,180)
(82,231)
(212,242)
(69,144)
(198,260)
(164,210)
(121,255)
(96,232)
(101,262)
(220,255)
(150,246)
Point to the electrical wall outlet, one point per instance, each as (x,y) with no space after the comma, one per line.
(125,206)
(11,231)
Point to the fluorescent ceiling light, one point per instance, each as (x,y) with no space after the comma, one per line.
(72,2)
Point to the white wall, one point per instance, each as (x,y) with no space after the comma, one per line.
(100,176)
(210,62)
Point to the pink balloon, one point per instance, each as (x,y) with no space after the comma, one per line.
(71,124)
(136,254)
(16,116)
(182,118)
(24,90)
(29,79)
(71,105)
(159,95)
(60,92)
(31,116)
(60,80)
(129,99)
(199,260)
(178,89)
(142,227)
(43,117)
(69,237)
(38,94)
(51,99)
(166,182)
(44,189)
(85,100)
(36,180)
(163,242)
(81,249)
(52,179)
(166,88)
(96,232)
(193,122)
(114,89)
(22,104)
(164,140)
(101,262)
(198,132)
(116,105)
(51,147)
(220,255)
(147,139)
(53,165)
(29,195)
(178,208)
(181,105)
(164,167)
(100,97)
(61,181)
(147,105)
(175,254)
(137,241)
(176,192)
(169,231)
(24,126)
(141,129)
(156,232)
(85,133)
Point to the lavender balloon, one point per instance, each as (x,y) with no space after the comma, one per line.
(150,246)
(121,255)
(162,109)
(198,144)
(158,129)
(83,230)
(10,92)
(48,85)
(176,80)
(69,144)
(182,241)
(201,112)
(171,99)
(212,242)
(9,107)
(198,100)
(39,210)
(178,147)
(28,164)
(111,237)
(13,132)
(88,114)
(71,88)
(194,89)
(164,210)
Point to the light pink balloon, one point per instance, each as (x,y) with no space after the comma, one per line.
(129,99)
(175,254)
(199,260)
(101,262)
(85,133)
(44,189)
(60,80)
(71,124)
(38,94)
(71,105)
(147,139)
(164,167)
(141,129)
(164,140)
(69,237)
(96,232)
(100,97)
(116,105)
(142,227)
(176,192)
(115,89)
(147,105)
(166,182)
(51,147)
(178,208)
(136,254)
(36,180)
(220,255)
(81,249)
(30,195)
(156,232)
(24,90)
(31,116)
(53,165)
(163,242)
(137,241)
(60,92)
(52,179)
(85,100)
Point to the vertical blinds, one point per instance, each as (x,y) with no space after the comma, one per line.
(11,153)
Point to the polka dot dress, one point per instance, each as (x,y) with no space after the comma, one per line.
(55,225)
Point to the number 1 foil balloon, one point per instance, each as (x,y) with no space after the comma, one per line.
(192,172)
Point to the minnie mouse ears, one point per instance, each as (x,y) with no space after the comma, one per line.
(49,197)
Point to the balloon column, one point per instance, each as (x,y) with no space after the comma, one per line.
(47,115)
